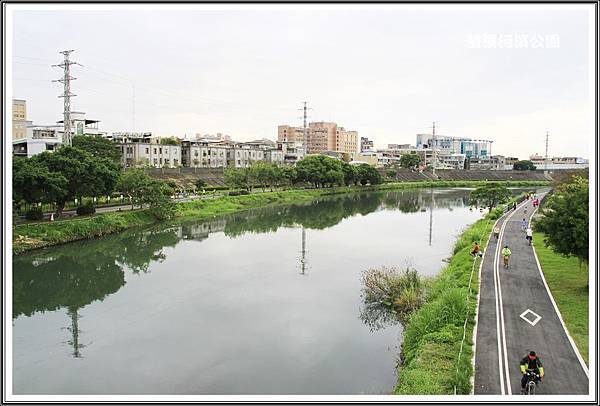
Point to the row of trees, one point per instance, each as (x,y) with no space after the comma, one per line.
(90,168)
(318,170)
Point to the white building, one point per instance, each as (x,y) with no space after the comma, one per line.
(292,151)
(143,149)
(40,138)
(203,154)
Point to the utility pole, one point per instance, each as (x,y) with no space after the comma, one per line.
(434,164)
(305,129)
(303,259)
(66,81)
(133,107)
(546,160)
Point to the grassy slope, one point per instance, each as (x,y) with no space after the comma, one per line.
(569,286)
(31,236)
(433,335)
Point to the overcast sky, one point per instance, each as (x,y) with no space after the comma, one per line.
(387,72)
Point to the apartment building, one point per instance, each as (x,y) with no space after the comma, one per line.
(143,149)
(292,151)
(19,119)
(366,145)
(203,154)
(321,137)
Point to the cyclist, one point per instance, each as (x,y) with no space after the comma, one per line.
(529,235)
(531,363)
(496,232)
(506,254)
(523,224)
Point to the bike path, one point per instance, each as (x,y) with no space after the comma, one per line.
(504,336)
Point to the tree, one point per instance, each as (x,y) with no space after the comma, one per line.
(33,182)
(349,173)
(98,147)
(133,184)
(288,175)
(260,173)
(86,175)
(157,194)
(566,219)
(237,178)
(489,196)
(410,161)
(170,141)
(524,166)
(320,170)
(366,174)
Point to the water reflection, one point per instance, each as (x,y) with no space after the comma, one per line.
(72,276)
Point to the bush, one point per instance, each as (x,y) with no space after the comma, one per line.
(85,210)
(239,193)
(163,211)
(34,214)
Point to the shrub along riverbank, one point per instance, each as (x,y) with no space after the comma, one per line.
(434,333)
(31,236)
(569,286)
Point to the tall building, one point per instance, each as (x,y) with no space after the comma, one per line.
(19,119)
(321,137)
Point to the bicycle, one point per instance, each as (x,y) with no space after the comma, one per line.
(506,261)
(532,380)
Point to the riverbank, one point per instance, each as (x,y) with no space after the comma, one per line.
(433,335)
(39,235)
(570,288)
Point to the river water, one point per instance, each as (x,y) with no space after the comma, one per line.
(266,301)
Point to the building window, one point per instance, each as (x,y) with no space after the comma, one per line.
(155,150)
(147,150)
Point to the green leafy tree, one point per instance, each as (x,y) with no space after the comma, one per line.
(349,173)
(489,196)
(170,141)
(524,166)
(261,173)
(33,182)
(410,161)
(86,175)
(320,170)
(98,147)
(367,174)
(288,175)
(157,194)
(133,183)
(566,219)
(237,178)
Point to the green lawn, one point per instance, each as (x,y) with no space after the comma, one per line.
(569,286)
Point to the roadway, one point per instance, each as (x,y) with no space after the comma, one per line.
(517,314)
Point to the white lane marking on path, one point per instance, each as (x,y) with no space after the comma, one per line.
(499,295)
(477,308)
(498,334)
(571,341)
(536,316)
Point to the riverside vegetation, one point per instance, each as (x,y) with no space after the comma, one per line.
(37,235)
(433,312)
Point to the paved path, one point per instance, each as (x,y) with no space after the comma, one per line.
(503,337)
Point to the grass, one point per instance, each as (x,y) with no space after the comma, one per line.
(433,335)
(30,236)
(569,286)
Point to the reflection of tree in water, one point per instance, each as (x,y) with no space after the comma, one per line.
(376,316)
(75,275)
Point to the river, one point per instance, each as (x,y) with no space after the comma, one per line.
(266,301)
